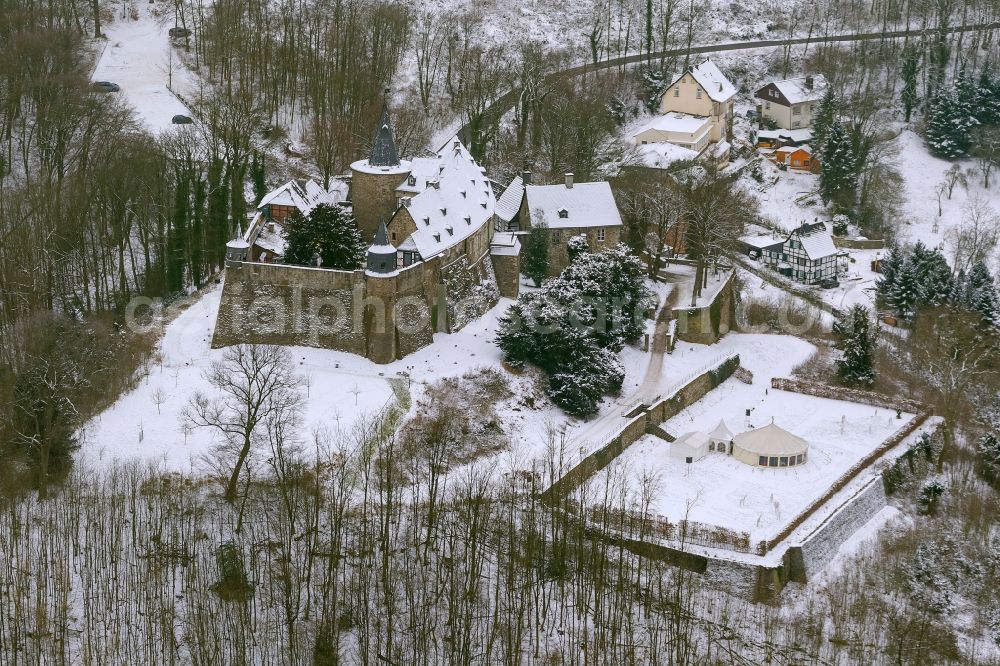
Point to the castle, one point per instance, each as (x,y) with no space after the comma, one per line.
(436,261)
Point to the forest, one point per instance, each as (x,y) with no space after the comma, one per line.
(333,547)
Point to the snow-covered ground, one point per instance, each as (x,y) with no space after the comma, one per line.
(720,490)
(341,388)
(137,58)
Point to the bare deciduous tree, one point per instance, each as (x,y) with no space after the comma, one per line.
(255,383)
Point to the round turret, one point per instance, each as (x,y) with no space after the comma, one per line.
(382,254)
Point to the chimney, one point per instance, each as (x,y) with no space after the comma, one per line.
(526,177)
(569,181)
(809,82)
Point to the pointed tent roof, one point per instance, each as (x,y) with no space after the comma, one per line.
(721,432)
(384,152)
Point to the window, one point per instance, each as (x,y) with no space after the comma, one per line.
(797,110)
(600,235)
(698,93)
(677,92)
(411,181)
(563,213)
(772,461)
(556,236)
(689,460)
(767,105)
(644,143)
(796,123)
(393,234)
(783,461)
(798,459)
(762,461)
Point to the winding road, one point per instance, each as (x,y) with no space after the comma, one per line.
(503,104)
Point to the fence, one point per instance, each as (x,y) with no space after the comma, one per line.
(690,389)
(864,397)
(637,524)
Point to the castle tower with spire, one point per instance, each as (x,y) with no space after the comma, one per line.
(374,180)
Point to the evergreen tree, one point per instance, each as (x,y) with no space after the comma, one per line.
(217,214)
(258,175)
(890,266)
(934,277)
(328,232)
(535,253)
(989,98)
(839,176)
(957,297)
(300,245)
(911,60)
(949,124)
(176,234)
(859,337)
(824,118)
(576,246)
(981,295)
(905,290)
(198,233)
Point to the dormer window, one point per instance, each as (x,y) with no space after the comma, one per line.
(463,194)
(437,236)
(411,181)
(563,213)
(451,232)
(468,220)
(427,221)
(484,205)
(444,211)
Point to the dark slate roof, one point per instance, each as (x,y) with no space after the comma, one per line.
(384,144)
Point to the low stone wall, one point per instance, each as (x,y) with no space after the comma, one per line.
(818,549)
(858,244)
(865,397)
(643,423)
(706,324)
(847,394)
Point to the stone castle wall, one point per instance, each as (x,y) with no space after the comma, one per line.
(383,318)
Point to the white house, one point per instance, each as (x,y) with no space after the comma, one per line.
(790,103)
(809,254)
(703,91)
(265,234)
(680,129)
(690,447)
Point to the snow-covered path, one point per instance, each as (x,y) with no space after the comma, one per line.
(137,58)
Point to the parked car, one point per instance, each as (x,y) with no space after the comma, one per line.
(181,120)
(829,283)
(105,86)
(179,32)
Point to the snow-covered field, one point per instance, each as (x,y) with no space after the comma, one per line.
(341,388)
(137,58)
(720,490)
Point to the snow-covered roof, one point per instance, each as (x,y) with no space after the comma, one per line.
(423,170)
(816,241)
(505,244)
(660,155)
(694,439)
(797,91)
(795,136)
(584,204)
(715,83)
(684,123)
(771,440)
(271,237)
(762,241)
(302,194)
(818,246)
(509,202)
(721,432)
(455,203)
